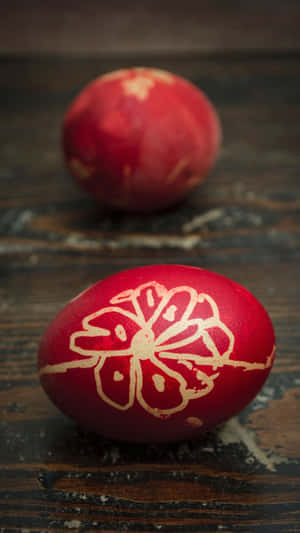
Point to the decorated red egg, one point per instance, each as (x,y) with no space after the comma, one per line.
(157,353)
(140,138)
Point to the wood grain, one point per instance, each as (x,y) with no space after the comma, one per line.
(268,421)
(145,26)
(243,222)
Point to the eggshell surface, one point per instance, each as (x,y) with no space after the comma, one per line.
(140,139)
(157,353)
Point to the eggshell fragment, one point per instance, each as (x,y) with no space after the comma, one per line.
(157,353)
(140,138)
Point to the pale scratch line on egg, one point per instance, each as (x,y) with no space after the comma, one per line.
(234,433)
(139,87)
(199,220)
(191,182)
(182,163)
(194,421)
(116,74)
(162,75)
(157,74)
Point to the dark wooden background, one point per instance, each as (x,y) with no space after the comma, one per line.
(243,222)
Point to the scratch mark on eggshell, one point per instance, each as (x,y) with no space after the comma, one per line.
(182,163)
(234,433)
(139,87)
(110,76)
(162,75)
(192,182)
(194,421)
(200,220)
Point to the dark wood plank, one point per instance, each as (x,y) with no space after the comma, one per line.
(145,26)
(242,222)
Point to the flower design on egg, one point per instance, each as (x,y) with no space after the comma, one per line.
(150,346)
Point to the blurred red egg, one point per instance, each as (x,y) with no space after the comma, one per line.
(140,138)
(157,353)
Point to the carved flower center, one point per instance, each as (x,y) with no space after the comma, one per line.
(143,345)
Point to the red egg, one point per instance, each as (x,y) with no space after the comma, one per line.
(157,353)
(140,138)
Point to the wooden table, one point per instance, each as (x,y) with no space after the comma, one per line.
(243,222)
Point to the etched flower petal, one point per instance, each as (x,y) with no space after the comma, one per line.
(148,298)
(205,308)
(176,306)
(115,381)
(124,296)
(107,331)
(212,346)
(179,334)
(159,389)
(199,379)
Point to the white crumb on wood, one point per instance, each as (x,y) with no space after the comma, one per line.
(269,390)
(21,220)
(72,524)
(75,240)
(263,398)
(199,220)
(114,454)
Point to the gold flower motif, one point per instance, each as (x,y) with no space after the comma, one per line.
(151,347)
